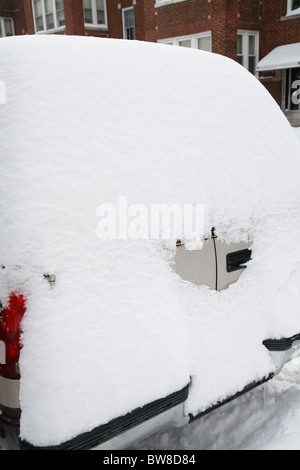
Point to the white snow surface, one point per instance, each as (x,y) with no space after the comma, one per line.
(281,57)
(87,120)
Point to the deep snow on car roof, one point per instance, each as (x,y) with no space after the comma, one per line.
(96,118)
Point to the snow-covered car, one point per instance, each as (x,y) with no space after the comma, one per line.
(107,337)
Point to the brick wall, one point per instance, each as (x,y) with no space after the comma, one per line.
(221,17)
(14,9)
(74,17)
(277,29)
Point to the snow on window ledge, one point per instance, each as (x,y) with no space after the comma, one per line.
(95,26)
(51,31)
(162,3)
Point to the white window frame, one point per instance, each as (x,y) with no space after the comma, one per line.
(245,49)
(2,26)
(193,38)
(290,10)
(95,24)
(45,30)
(123,20)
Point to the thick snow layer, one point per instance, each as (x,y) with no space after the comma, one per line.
(281,57)
(87,120)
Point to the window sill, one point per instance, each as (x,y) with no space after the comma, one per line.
(95,26)
(290,17)
(51,31)
(163,3)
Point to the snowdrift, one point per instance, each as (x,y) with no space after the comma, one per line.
(86,120)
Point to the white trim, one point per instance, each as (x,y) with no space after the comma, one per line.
(245,47)
(123,22)
(45,30)
(291,11)
(2,25)
(95,24)
(162,3)
(50,31)
(193,38)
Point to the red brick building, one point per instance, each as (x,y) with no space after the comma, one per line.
(244,30)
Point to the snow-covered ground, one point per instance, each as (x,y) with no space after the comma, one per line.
(267,418)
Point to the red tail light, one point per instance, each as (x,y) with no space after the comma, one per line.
(10,332)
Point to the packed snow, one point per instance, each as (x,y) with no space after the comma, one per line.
(87,120)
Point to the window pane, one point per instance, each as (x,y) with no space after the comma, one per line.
(50,21)
(296,4)
(39,23)
(239,44)
(129,34)
(100,17)
(185,43)
(100,4)
(87,10)
(60,18)
(88,17)
(38,8)
(100,11)
(59,4)
(8,27)
(240,59)
(129,18)
(252,45)
(48,6)
(252,65)
(204,44)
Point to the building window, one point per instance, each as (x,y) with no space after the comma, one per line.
(200,41)
(94,12)
(247,49)
(290,90)
(48,15)
(293,7)
(6,27)
(128,23)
